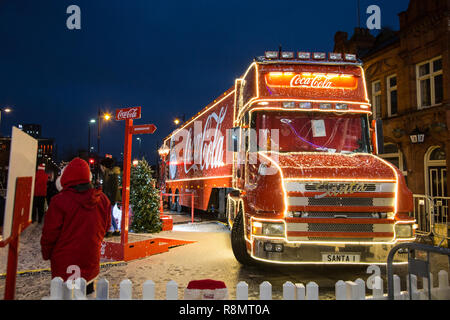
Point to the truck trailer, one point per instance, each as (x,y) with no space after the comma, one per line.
(289,157)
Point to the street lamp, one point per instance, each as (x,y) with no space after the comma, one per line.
(106,117)
(140,140)
(5,110)
(92,121)
(177,120)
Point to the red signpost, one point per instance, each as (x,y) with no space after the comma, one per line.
(124,250)
(22,203)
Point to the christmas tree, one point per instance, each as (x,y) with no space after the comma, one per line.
(144,199)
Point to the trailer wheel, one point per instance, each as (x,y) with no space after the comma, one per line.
(238,243)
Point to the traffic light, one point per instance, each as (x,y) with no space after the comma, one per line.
(91,161)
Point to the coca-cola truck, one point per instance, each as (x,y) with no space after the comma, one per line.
(288,156)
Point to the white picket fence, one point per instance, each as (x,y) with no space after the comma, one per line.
(349,290)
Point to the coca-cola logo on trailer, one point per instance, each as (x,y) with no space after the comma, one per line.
(128,113)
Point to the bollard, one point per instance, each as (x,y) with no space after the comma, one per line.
(102,289)
(301,291)
(361,288)
(312,291)
(265,291)
(242,291)
(172,290)
(56,288)
(148,290)
(126,290)
(340,290)
(289,291)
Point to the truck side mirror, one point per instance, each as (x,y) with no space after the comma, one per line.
(377,136)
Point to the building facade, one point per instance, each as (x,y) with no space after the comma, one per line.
(408,80)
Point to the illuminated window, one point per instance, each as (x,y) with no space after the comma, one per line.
(392,97)
(429,83)
(376,99)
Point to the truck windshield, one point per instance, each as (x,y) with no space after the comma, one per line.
(312,132)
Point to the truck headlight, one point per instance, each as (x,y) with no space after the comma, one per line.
(404,230)
(267,229)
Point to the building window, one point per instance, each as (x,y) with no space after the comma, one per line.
(394,155)
(376,99)
(429,83)
(392,97)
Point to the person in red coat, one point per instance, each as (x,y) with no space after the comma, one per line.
(40,193)
(75,225)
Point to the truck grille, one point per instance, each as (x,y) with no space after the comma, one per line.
(325,227)
(341,202)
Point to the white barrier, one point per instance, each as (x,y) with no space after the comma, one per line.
(349,290)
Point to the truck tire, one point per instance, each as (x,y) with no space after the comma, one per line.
(238,243)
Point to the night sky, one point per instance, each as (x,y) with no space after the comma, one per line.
(170,57)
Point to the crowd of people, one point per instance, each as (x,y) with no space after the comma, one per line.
(77,214)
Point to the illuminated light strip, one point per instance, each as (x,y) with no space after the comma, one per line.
(199,115)
(204,178)
(365,84)
(257,100)
(339,221)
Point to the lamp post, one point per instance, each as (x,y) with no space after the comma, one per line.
(6,110)
(140,141)
(92,121)
(107,117)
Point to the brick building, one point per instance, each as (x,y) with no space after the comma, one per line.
(408,80)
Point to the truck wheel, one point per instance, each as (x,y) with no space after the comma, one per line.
(238,243)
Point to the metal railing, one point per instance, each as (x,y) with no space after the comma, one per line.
(431,214)
(417,267)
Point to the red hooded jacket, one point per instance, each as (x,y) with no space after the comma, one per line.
(40,184)
(75,225)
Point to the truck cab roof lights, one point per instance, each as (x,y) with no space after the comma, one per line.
(289,104)
(335,56)
(350,57)
(341,106)
(272,54)
(304,55)
(319,55)
(305,105)
(287,55)
(325,106)
(364,106)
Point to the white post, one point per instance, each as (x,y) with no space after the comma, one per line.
(361,284)
(413,292)
(289,291)
(352,290)
(102,289)
(148,290)
(172,290)
(397,288)
(301,291)
(242,291)
(265,291)
(79,292)
(425,293)
(126,290)
(56,288)
(340,290)
(378,288)
(444,289)
(312,291)
(68,290)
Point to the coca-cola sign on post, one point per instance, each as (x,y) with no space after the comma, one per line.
(128,113)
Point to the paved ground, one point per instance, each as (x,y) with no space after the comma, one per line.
(210,257)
